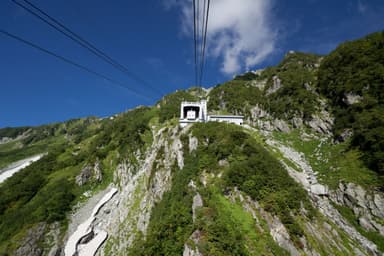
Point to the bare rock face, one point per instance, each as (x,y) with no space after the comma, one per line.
(258,112)
(193,250)
(197,202)
(297,122)
(258,84)
(345,135)
(84,176)
(276,85)
(350,195)
(223,163)
(319,190)
(276,228)
(89,172)
(262,119)
(281,125)
(54,237)
(4,140)
(97,172)
(366,206)
(188,251)
(351,98)
(142,184)
(193,143)
(309,88)
(321,122)
(31,243)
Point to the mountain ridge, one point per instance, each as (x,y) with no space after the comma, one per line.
(288,182)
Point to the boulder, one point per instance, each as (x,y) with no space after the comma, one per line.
(197,202)
(351,98)
(319,190)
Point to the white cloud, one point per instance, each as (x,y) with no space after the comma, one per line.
(168,4)
(361,8)
(240,32)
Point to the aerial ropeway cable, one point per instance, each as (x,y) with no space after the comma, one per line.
(200,29)
(60,27)
(73,63)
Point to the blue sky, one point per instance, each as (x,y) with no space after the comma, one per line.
(153,39)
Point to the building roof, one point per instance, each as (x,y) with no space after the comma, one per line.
(225,116)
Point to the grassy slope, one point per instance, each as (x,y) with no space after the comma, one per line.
(45,191)
(333,162)
(223,226)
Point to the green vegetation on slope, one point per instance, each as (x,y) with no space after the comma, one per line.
(45,191)
(29,197)
(250,168)
(373,236)
(296,97)
(357,68)
(236,97)
(333,162)
(12,132)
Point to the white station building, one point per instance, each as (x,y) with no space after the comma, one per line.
(196,112)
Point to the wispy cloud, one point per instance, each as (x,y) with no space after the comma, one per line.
(241,33)
(168,4)
(361,8)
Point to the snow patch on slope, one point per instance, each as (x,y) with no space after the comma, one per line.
(15,167)
(85,228)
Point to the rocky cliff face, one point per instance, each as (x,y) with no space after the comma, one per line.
(323,200)
(139,189)
(124,218)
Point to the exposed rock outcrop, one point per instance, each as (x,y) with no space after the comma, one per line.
(277,230)
(321,122)
(258,84)
(30,245)
(276,85)
(89,172)
(53,237)
(351,98)
(367,206)
(190,249)
(197,202)
(193,143)
(319,190)
(345,135)
(308,178)
(262,119)
(142,184)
